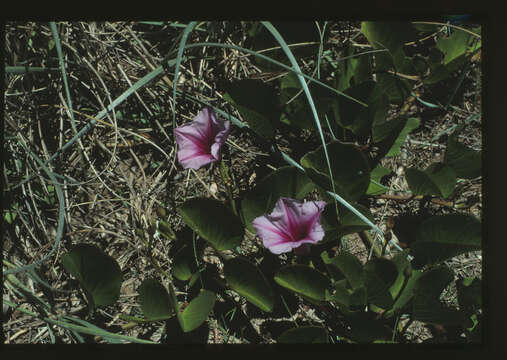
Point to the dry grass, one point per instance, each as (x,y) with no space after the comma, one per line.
(121,181)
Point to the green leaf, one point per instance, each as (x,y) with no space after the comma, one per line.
(357,118)
(257,104)
(348,222)
(410,125)
(197,311)
(380,275)
(10,216)
(439,72)
(296,111)
(246,279)
(442,237)
(375,187)
(154,300)
(469,293)
(304,280)
(438,179)
(465,162)
(455,45)
(400,260)
(454,51)
(426,305)
(407,292)
(213,221)
(390,135)
(294,32)
(350,267)
(348,297)
(349,166)
(184,265)
(365,328)
(286,181)
(391,36)
(98,274)
(353,70)
(304,335)
(396,89)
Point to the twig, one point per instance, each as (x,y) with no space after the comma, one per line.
(409,197)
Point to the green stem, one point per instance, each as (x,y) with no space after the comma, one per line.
(227,181)
(369,241)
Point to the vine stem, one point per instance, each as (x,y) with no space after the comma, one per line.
(227,181)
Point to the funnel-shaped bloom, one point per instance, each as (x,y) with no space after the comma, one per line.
(291,224)
(200,141)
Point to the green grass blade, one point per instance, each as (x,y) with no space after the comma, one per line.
(295,65)
(282,65)
(179,56)
(61,218)
(131,90)
(27,69)
(59,51)
(81,329)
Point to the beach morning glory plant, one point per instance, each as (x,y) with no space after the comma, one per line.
(200,142)
(291,224)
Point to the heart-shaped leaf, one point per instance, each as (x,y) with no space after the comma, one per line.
(426,305)
(347,297)
(391,36)
(184,265)
(213,221)
(350,267)
(442,237)
(257,104)
(380,275)
(465,162)
(98,274)
(154,300)
(356,117)
(304,335)
(197,311)
(438,179)
(247,280)
(304,280)
(455,45)
(349,166)
(352,71)
(286,181)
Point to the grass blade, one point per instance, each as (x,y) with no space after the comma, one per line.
(61,219)
(288,68)
(295,65)
(58,46)
(179,56)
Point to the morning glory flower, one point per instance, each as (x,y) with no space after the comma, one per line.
(200,141)
(291,224)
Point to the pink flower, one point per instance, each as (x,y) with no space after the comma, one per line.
(200,141)
(291,224)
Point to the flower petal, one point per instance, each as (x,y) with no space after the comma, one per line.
(203,123)
(194,161)
(290,224)
(200,141)
(269,233)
